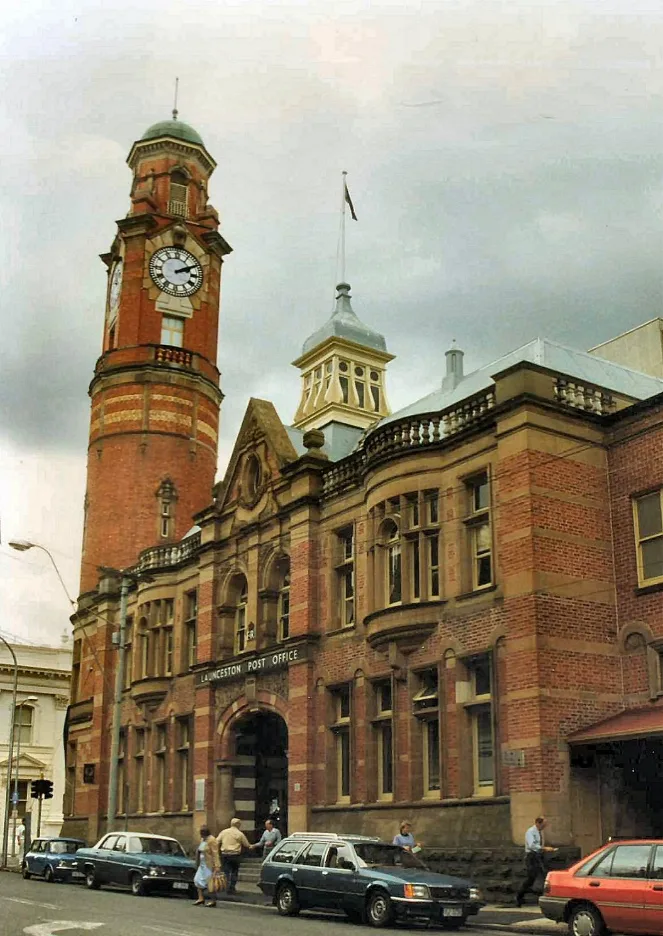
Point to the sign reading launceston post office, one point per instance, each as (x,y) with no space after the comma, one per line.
(253,666)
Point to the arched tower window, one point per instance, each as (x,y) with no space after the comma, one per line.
(284,601)
(240,617)
(391,539)
(166,499)
(177,203)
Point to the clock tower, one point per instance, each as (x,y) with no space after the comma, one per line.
(155,393)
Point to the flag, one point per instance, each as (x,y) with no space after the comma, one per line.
(348,201)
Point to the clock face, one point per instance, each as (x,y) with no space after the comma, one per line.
(176,271)
(115,287)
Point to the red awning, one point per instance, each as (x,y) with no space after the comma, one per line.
(640,722)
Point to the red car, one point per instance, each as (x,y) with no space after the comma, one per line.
(619,887)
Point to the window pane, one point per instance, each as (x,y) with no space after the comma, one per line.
(344,766)
(344,703)
(375,393)
(387,769)
(630,861)
(415,569)
(657,865)
(432,729)
(394,574)
(483,539)
(649,515)
(484,572)
(481,498)
(484,739)
(652,558)
(361,393)
(313,856)
(481,678)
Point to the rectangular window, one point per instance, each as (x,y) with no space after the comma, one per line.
(480,708)
(121,778)
(184,761)
(341,729)
(23,722)
(139,769)
(481,537)
(190,628)
(384,740)
(361,393)
(168,651)
(648,517)
(433,544)
(128,652)
(394,571)
(172,331)
(160,752)
(431,755)
(415,569)
(144,645)
(76,671)
(432,507)
(345,577)
(413,510)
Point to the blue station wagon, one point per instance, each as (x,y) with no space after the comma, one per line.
(369,880)
(144,863)
(53,858)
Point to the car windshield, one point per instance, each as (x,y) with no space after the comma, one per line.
(155,846)
(64,848)
(390,856)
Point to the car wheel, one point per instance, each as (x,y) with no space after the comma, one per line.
(287,903)
(48,875)
(24,871)
(378,909)
(585,920)
(91,881)
(137,886)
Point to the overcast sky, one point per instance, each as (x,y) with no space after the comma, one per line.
(505,160)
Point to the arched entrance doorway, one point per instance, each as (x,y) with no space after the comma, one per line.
(260,772)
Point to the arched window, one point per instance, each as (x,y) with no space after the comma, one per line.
(253,475)
(178,194)
(392,542)
(240,619)
(284,605)
(23,724)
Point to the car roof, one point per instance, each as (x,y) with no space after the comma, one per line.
(149,835)
(56,838)
(335,837)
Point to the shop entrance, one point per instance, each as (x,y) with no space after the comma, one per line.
(260,774)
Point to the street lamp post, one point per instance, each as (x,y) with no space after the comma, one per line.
(18,708)
(12,719)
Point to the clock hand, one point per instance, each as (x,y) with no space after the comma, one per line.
(186,269)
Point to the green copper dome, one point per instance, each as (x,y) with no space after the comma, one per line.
(173,128)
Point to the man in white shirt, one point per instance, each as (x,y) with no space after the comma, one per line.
(269,839)
(534,851)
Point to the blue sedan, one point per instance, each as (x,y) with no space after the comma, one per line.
(145,863)
(54,859)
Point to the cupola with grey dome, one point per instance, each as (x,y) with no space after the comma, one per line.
(343,367)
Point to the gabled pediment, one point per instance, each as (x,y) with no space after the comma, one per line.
(26,762)
(261,449)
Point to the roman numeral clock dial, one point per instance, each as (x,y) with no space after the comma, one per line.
(176,271)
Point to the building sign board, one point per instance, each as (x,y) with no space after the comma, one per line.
(275,659)
(513,758)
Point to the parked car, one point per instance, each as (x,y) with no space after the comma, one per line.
(618,887)
(364,877)
(53,858)
(145,863)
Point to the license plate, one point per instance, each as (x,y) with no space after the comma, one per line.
(180,885)
(452,911)
(77,874)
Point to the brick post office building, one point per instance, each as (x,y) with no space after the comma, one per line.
(448,614)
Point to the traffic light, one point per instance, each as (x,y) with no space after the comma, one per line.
(41,788)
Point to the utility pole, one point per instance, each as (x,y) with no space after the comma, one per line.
(10,754)
(117,704)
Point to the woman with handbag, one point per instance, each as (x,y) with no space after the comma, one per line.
(208,869)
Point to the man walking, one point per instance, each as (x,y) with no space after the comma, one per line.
(269,839)
(534,851)
(231,842)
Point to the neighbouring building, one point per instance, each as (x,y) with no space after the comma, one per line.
(45,673)
(451,613)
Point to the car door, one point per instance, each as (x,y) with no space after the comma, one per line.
(120,862)
(36,860)
(103,859)
(308,876)
(618,885)
(339,877)
(653,918)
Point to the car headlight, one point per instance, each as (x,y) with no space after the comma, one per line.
(417,891)
(475,894)
(153,871)
(62,864)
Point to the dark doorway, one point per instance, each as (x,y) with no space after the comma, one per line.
(260,779)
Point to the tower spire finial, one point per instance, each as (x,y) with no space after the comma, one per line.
(175,111)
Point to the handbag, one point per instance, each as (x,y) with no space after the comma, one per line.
(217,882)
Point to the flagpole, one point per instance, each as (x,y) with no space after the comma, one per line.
(343,188)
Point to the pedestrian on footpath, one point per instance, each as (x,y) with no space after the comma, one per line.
(535,848)
(20,838)
(207,857)
(405,838)
(269,839)
(231,843)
